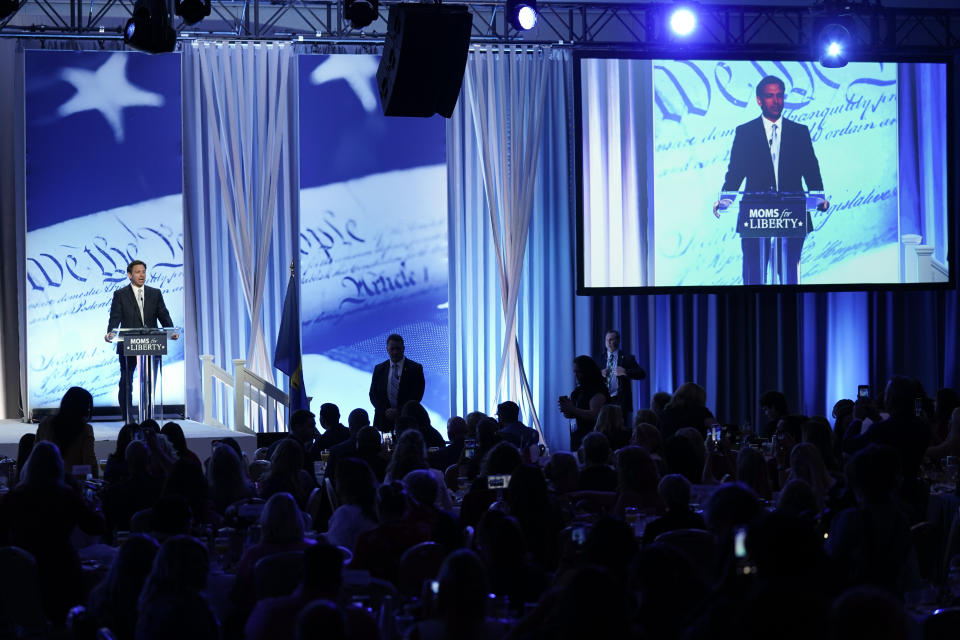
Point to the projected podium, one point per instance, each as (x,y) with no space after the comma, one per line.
(148,346)
(779,221)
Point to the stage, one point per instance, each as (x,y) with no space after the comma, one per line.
(199,436)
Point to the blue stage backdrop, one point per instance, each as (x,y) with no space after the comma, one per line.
(373,236)
(104,187)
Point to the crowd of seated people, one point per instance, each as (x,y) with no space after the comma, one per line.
(668,529)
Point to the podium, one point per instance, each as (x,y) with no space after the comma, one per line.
(773,218)
(148,346)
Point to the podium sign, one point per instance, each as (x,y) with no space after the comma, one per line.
(773,215)
(152,342)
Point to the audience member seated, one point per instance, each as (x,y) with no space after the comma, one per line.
(228,482)
(488,436)
(24,447)
(668,589)
(173,603)
(39,515)
(798,500)
(322,578)
(473,419)
(501,460)
(113,603)
(646,435)
(281,529)
(659,402)
(951,443)
(908,434)
(563,474)
(637,481)
(409,455)
(424,490)
(596,474)
(868,612)
(450,454)
(645,416)
(681,457)
(186,480)
(752,471)
(512,430)
(674,490)
(817,432)
(610,423)
(321,619)
(70,430)
(287,474)
(461,603)
(370,450)
(378,550)
(871,543)
(528,502)
(303,431)
(174,434)
(609,543)
(687,408)
(138,491)
(357,494)
(731,505)
(807,465)
(333,432)
(357,420)
(415,410)
(774,407)
(946,401)
(501,546)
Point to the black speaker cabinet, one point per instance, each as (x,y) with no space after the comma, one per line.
(423,59)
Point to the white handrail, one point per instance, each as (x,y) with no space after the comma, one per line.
(258,405)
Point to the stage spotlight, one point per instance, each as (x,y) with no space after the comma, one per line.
(192,11)
(360,13)
(832,42)
(8,8)
(683,21)
(149,29)
(522,14)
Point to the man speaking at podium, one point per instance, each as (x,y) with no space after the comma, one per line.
(134,306)
(773,154)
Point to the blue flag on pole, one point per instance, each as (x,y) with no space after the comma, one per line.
(288,357)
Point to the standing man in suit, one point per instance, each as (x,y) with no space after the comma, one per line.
(395,382)
(773,154)
(618,369)
(135,305)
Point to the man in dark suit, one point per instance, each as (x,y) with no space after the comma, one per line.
(135,306)
(395,382)
(619,369)
(773,154)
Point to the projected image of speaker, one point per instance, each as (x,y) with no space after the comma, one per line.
(423,59)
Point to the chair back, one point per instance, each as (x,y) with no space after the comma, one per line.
(141,521)
(20,598)
(331,494)
(943,624)
(419,563)
(360,585)
(698,545)
(278,574)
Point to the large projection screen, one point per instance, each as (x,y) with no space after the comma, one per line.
(659,140)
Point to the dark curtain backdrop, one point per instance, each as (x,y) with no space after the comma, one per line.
(815,347)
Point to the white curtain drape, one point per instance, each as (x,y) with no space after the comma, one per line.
(506,93)
(616,160)
(546,312)
(241,195)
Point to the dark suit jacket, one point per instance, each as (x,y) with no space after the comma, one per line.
(411,388)
(624,396)
(125,312)
(750,159)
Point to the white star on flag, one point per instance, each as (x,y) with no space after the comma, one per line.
(106,90)
(358,71)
